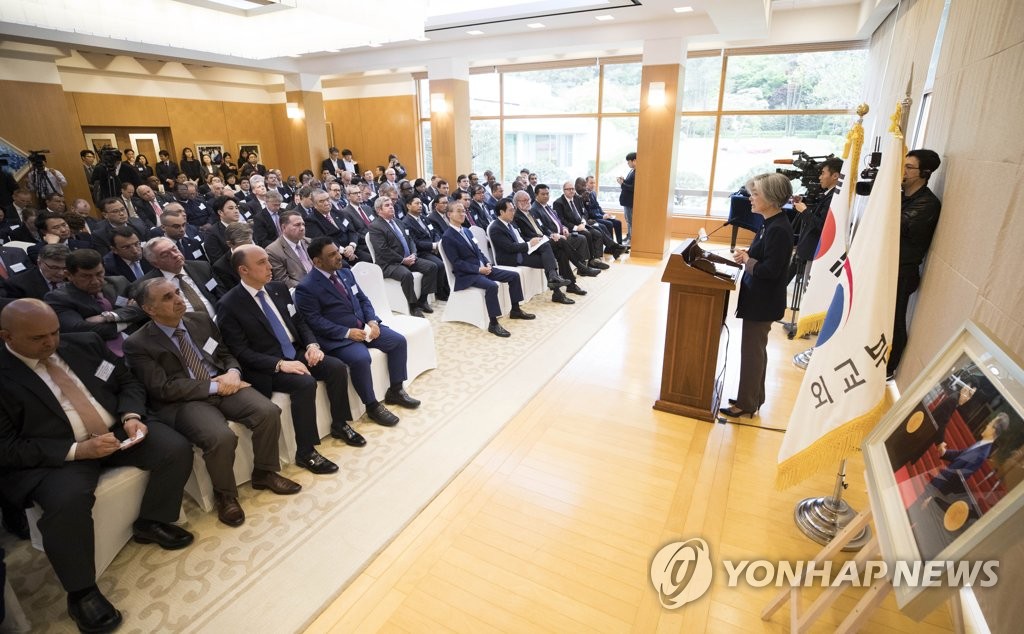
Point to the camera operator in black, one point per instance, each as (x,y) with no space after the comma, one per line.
(812,217)
(104,174)
(919,214)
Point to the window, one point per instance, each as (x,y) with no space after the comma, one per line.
(428,148)
(485,95)
(794,81)
(486,144)
(559,91)
(621,92)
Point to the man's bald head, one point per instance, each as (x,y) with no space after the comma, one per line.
(30,328)
(252,264)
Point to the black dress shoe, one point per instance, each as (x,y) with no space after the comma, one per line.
(275,482)
(586,271)
(381,415)
(557,281)
(415,311)
(597,264)
(229,510)
(15,521)
(93,613)
(496,329)
(560,298)
(425,307)
(575,290)
(316,463)
(166,536)
(398,396)
(519,313)
(349,435)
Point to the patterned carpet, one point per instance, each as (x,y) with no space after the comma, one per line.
(294,554)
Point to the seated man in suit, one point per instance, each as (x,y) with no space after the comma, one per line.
(426,236)
(588,191)
(333,162)
(147,205)
(266,223)
(237,234)
(174,226)
(47,276)
(196,386)
(396,256)
(568,208)
(225,210)
(326,222)
(345,326)
(279,353)
(510,249)
(92,302)
(114,215)
(67,406)
(199,288)
(53,228)
(579,203)
(125,257)
(476,212)
(531,227)
(471,268)
(360,215)
(577,246)
(289,260)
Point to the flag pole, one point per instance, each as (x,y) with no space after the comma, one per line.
(822,517)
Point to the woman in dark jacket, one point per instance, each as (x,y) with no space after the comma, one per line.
(227,166)
(190,165)
(142,168)
(762,298)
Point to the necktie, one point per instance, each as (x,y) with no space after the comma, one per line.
(401,238)
(303,257)
(341,289)
(276,221)
(362,214)
(116,345)
(137,270)
(275,324)
(469,217)
(572,205)
(91,417)
(515,234)
(330,219)
(192,360)
(554,217)
(191,295)
(156,208)
(130,207)
(54,286)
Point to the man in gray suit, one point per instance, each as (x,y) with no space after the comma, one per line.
(289,260)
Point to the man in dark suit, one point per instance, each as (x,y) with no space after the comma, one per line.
(328,223)
(811,220)
(167,170)
(359,215)
(55,442)
(226,210)
(196,385)
(266,223)
(253,166)
(510,249)
(237,234)
(53,228)
(175,227)
(570,208)
(471,268)
(125,258)
(115,215)
(47,276)
(530,228)
(593,208)
(333,163)
(147,206)
(396,255)
(628,185)
(345,326)
(195,279)
(426,237)
(274,185)
(279,353)
(476,212)
(576,246)
(92,302)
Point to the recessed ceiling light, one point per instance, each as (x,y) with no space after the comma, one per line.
(683,9)
(374,45)
(474,32)
(535,25)
(604,18)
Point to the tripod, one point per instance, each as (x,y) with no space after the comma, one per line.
(40,178)
(799,285)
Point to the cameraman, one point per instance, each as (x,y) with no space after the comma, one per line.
(104,174)
(919,214)
(43,180)
(811,219)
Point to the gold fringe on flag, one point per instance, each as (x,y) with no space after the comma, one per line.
(852,150)
(830,448)
(809,324)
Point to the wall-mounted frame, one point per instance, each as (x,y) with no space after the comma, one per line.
(17,159)
(215,150)
(248,147)
(146,143)
(96,140)
(330,133)
(945,467)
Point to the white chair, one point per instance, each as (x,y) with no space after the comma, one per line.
(533,281)
(396,298)
(118,498)
(484,244)
(467,305)
(199,486)
(418,333)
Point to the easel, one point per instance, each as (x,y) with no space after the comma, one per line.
(860,613)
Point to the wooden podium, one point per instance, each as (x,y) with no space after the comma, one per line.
(698,300)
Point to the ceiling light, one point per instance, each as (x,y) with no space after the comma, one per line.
(683,9)
(474,32)
(604,18)
(535,25)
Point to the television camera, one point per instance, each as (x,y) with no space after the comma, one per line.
(807,170)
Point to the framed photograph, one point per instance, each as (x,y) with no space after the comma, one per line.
(248,147)
(16,159)
(945,466)
(96,140)
(330,133)
(215,150)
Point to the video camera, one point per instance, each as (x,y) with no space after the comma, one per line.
(808,170)
(110,156)
(36,158)
(868,175)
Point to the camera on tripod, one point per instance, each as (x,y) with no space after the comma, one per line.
(869,173)
(36,158)
(110,155)
(808,171)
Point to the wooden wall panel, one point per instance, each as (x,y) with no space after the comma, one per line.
(251,123)
(193,121)
(344,114)
(121,110)
(36,116)
(374,127)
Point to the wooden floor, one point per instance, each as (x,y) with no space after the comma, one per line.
(553,526)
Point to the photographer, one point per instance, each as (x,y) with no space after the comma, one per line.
(43,180)
(104,176)
(919,214)
(812,218)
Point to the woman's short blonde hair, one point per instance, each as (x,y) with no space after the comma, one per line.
(773,187)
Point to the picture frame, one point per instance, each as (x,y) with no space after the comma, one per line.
(17,159)
(96,140)
(248,147)
(215,150)
(945,465)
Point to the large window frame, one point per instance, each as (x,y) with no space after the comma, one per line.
(716,115)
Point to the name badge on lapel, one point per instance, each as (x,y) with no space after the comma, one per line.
(210,346)
(18,267)
(211,284)
(105,370)
(121,301)
(198,253)
(291,310)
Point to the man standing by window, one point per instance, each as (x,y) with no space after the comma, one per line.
(627,184)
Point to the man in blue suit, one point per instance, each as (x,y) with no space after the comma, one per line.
(345,326)
(472,268)
(966,461)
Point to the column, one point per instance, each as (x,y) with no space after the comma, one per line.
(661,85)
(449,118)
(302,135)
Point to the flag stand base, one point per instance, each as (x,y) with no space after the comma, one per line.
(821,518)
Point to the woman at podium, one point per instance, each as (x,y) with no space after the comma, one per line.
(762,298)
